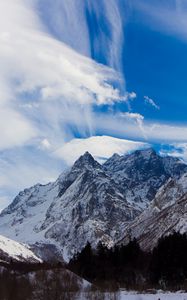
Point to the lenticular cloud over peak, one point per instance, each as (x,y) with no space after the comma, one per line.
(101,147)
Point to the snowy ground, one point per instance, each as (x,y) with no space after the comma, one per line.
(161,296)
(132,296)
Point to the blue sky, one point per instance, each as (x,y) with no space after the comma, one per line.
(155,64)
(105,76)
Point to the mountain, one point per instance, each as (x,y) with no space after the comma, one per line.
(142,173)
(167,213)
(84,204)
(88,202)
(14,251)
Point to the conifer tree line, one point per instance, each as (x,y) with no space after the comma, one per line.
(130,267)
(124,266)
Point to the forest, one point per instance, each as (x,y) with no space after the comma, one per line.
(124,266)
(130,267)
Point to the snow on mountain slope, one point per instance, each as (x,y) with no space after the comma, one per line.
(84,204)
(166,213)
(169,193)
(13,250)
(26,211)
(142,173)
(88,202)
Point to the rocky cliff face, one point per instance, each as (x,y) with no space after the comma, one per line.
(88,202)
(142,173)
(84,204)
(167,213)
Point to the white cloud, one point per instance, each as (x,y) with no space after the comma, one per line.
(130,96)
(151,102)
(45,144)
(176,150)
(47,91)
(68,21)
(37,68)
(113,44)
(20,169)
(101,147)
(15,128)
(126,126)
(169,17)
(138,118)
(133,116)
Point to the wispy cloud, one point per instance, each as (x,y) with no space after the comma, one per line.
(131,96)
(47,91)
(109,43)
(151,102)
(72,23)
(37,68)
(169,17)
(153,131)
(23,167)
(178,150)
(138,118)
(48,88)
(66,20)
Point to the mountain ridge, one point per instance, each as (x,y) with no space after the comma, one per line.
(166,214)
(88,202)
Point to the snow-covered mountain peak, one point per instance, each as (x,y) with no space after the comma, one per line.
(90,202)
(86,161)
(114,157)
(138,159)
(146,153)
(83,205)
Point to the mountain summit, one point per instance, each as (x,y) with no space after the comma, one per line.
(88,202)
(86,160)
